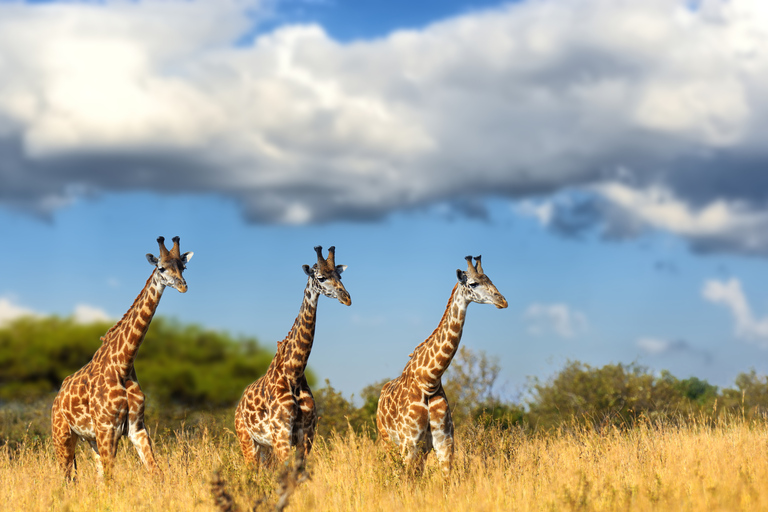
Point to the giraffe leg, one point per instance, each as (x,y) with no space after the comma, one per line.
(415,436)
(281,449)
(137,431)
(248,446)
(97,458)
(307,421)
(282,426)
(143,444)
(106,446)
(441,425)
(412,456)
(64,440)
(64,445)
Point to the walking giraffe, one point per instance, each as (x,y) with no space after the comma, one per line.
(278,410)
(103,401)
(413,411)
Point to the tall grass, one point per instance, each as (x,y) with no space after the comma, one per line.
(692,465)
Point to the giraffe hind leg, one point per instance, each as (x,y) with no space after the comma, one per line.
(64,440)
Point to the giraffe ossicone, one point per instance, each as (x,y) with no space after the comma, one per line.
(103,401)
(413,411)
(277,411)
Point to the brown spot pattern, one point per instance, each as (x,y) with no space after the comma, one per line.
(94,403)
(413,411)
(277,411)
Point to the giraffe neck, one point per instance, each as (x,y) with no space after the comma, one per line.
(121,343)
(293,351)
(431,359)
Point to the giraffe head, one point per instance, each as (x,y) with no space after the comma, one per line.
(171,264)
(477,287)
(325,276)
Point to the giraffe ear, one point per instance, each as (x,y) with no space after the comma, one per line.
(306,270)
(461,276)
(186,257)
(341,268)
(151,259)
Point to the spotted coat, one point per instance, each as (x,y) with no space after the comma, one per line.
(413,411)
(103,401)
(277,411)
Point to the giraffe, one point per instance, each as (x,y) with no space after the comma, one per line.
(413,411)
(103,401)
(277,411)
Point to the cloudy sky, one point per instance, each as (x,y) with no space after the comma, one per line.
(606,157)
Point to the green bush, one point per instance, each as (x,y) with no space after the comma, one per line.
(177,364)
(615,394)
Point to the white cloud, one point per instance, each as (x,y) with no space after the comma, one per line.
(9,311)
(730,294)
(523,100)
(83,313)
(86,314)
(557,317)
(653,345)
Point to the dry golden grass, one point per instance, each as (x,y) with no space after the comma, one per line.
(693,467)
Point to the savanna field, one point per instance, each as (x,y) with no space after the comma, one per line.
(612,438)
(648,467)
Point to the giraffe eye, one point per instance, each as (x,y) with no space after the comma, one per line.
(473,285)
(161,269)
(321,279)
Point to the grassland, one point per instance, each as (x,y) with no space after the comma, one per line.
(692,466)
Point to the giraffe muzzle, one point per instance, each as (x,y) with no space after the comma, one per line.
(345,299)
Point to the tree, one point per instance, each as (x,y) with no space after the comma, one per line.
(470,385)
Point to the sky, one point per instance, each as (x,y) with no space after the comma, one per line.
(605,157)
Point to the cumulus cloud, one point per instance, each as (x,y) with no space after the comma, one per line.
(651,112)
(730,294)
(557,317)
(10,311)
(87,314)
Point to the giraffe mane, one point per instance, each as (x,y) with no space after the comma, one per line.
(439,325)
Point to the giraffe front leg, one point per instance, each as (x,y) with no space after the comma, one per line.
(441,425)
(282,426)
(416,438)
(97,457)
(141,441)
(137,431)
(106,449)
(307,421)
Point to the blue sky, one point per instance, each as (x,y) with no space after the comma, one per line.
(604,157)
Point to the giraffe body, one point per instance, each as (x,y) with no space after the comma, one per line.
(102,402)
(277,411)
(413,411)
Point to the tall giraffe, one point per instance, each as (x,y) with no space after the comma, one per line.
(103,401)
(413,411)
(278,410)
